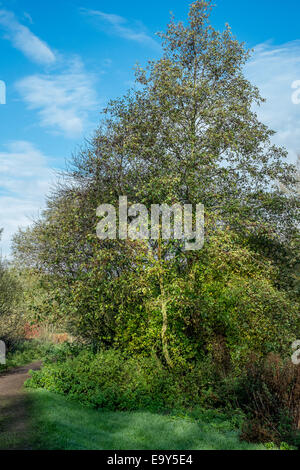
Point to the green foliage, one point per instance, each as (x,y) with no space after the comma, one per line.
(223,304)
(108,380)
(267,393)
(11,322)
(27,351)
(221,301)
(9,290)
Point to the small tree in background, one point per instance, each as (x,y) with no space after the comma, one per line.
(11,327)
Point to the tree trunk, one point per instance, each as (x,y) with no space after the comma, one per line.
(164,311)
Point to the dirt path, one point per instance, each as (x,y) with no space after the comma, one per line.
(14,419)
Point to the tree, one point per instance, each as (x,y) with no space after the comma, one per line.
(10,292)
(188,134)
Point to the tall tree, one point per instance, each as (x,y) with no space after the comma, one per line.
(186,133)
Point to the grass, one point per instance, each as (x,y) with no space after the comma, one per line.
(57,422)
(61,423)
(14,432)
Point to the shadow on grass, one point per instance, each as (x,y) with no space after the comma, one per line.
(15,433)
(64,424)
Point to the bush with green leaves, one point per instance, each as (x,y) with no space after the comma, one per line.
(111,381)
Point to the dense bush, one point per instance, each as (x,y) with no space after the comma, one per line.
(109,380)
(270,396)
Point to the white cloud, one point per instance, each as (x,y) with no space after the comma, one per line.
(119,26)
(25,178)
(274,69)
(24,40)
(64,95)
(62,100)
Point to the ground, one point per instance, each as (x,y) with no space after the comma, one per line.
(14,408)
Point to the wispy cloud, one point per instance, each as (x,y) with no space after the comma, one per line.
(24,40)
(274,69)
(25,178)
(120,26)
(63,99)
(64,95)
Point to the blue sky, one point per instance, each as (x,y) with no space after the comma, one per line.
(62,61)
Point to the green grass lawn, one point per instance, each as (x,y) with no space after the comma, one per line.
(60,423)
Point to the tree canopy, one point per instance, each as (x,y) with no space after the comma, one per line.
(186,133)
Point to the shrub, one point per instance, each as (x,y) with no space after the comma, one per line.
(270,395)
(109,380)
